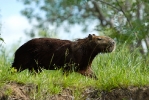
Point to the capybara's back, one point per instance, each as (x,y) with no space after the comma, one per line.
(38,53)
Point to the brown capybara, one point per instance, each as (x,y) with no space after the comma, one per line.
(51,54)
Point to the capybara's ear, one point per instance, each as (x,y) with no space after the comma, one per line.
(93,35)
(90,37)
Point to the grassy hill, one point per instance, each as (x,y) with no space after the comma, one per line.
(118,70)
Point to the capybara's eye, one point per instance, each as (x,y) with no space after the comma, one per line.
(99,38)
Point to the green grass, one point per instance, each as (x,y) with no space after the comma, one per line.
(114,70)
(121,69)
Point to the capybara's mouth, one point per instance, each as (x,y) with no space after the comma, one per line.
(110,48)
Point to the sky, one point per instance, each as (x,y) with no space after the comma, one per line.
(14,24)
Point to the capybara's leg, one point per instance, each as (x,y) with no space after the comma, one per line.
(88,72)
(17,66)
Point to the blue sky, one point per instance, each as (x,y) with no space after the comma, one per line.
(14,24)
(10,7)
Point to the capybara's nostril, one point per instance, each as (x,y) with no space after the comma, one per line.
(112,42)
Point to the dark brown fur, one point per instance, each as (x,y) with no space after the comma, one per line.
(51,54)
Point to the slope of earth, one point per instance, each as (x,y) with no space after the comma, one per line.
(16,91)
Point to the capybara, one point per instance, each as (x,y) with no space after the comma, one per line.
(51,54)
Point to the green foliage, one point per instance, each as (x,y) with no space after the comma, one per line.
(121,68)
(80,11)
(1,39)
(47,33)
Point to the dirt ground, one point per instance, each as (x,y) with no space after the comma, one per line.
(15,91)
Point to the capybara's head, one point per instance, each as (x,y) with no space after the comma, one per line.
(103,44)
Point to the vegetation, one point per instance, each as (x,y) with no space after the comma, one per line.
(115,70)
(126,21)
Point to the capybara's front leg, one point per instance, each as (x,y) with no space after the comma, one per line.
(88,72)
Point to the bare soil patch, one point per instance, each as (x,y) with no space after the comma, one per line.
(16,91)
